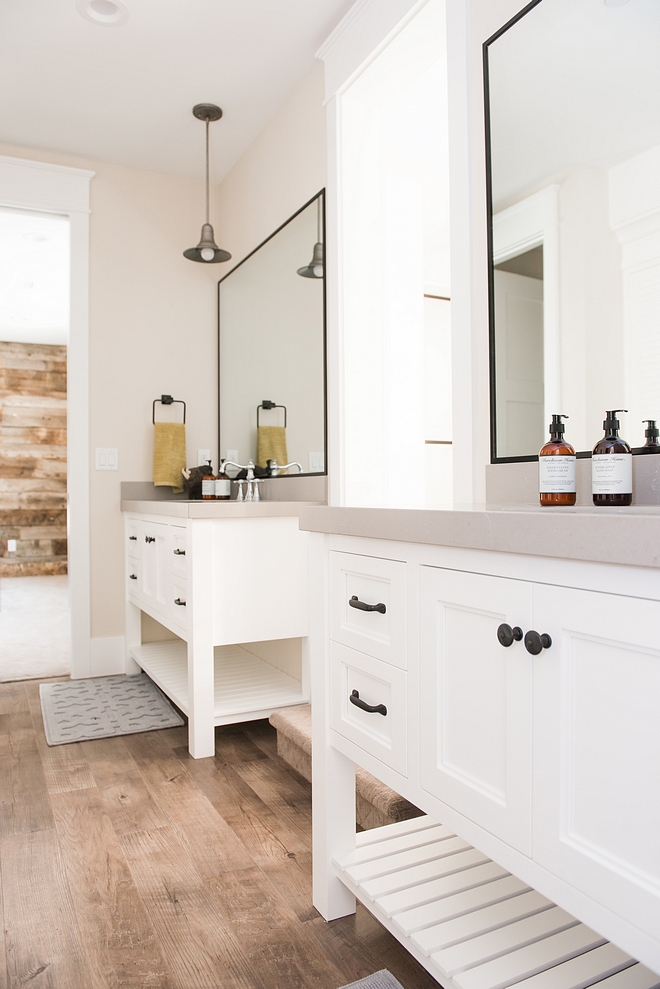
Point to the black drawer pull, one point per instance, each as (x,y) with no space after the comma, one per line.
(535,643)
(371,708)
(132,576)
(133,537)
(150,539)
(354,602)
(179,552)
(506,635)
(181,603)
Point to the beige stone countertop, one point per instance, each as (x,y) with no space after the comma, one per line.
(217,509)
(629,536)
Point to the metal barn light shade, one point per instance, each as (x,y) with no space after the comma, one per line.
(207,251)
(315,268)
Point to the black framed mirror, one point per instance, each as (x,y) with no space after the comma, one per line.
(272,377)
(572,91)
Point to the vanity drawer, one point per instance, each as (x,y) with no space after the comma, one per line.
(382,733)
(371,582)
(178,593)
(132,578)
(132,534)
(179,545)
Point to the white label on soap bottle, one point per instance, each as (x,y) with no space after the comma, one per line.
(222,487)
(557,475)
(208,488)
(611,473)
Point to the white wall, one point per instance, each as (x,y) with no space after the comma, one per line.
(281,170)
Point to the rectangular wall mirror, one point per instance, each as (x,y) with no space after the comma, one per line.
(272,352)
(573,145)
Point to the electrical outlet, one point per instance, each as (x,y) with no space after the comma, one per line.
(203,456)
(106,458)
(11,545)
(232,455)
(316,463)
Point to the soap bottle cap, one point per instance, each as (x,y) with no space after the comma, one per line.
(652,432)
(611,423)
(557,426)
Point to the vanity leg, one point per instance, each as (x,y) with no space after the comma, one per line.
(133,636)
(333,775)
(201,680)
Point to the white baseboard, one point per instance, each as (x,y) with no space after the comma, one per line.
(107,656)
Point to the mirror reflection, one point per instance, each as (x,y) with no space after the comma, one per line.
(272,350)
(574,156)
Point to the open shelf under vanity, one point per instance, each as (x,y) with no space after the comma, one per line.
(243,684)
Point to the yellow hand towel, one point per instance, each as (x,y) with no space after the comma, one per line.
(271,445)
(169,455)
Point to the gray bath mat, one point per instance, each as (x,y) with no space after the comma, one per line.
(379,980)
(80,710)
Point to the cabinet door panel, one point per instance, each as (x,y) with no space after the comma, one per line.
(154,575)
(476,712)
(597,748)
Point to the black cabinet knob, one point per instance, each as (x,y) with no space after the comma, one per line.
(132,576)
(180,603)
(506,635)
(535,643)
(132,537)
(150,539)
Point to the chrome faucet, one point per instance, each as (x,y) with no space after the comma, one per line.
(252,483)
(274,468)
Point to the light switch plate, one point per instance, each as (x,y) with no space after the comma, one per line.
(203,456)
(11,545)
(107,458)
(315,463)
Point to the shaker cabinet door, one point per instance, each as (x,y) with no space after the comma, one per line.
(476,745)
(597,748)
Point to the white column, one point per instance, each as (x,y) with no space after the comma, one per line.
(201,730)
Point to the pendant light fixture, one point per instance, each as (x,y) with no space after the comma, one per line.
(207,251)
(315,268)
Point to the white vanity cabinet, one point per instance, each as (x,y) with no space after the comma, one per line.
(548,764)
(229,582)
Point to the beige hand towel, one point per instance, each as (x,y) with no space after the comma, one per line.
(169,455)
(271,445)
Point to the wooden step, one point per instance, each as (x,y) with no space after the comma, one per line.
(471,923)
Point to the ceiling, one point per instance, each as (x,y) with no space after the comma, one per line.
(124,94)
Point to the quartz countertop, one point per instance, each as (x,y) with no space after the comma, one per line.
(629,536)
(217,509)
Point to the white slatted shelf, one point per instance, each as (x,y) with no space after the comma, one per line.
(246,687)
(471,923)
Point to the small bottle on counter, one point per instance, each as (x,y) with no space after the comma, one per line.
(222,484)
(557,467)
(208,484)
(611,466)
(651,433)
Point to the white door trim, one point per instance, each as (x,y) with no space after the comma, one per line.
(529,223)
(47,188)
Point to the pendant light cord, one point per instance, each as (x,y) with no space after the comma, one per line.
(207,169)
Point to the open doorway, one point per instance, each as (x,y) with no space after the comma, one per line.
(34,324)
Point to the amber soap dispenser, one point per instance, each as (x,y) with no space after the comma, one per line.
(557,467)
(611,466)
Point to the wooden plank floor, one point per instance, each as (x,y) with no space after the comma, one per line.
(125,863)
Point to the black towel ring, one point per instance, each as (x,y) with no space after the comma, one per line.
(270,405)
(167,400)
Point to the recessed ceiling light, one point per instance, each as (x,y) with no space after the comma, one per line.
(110,13)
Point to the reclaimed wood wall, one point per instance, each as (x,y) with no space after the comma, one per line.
(32,459)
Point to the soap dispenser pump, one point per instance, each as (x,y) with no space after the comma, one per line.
(611,466)
(557,467)
(651,433)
